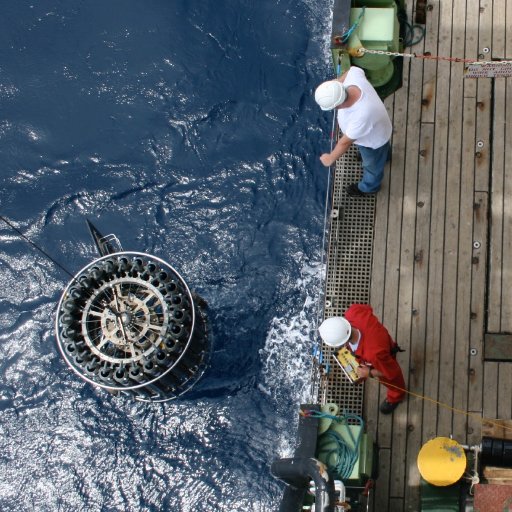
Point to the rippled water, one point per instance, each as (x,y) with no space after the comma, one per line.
(188,129)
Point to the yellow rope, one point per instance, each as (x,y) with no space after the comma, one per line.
(474,415)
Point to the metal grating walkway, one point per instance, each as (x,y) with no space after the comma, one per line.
(348,278)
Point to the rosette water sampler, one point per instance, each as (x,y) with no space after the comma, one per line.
(128,323)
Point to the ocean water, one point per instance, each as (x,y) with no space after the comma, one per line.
(188,129)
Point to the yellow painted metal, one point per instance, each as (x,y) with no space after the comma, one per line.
(348,363)
(441,461)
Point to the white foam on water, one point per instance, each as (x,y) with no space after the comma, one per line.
(288,347)
(321,26)
(287,355)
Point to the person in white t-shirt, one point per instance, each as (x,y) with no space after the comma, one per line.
(363,121)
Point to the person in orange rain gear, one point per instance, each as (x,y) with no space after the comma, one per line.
(373,347)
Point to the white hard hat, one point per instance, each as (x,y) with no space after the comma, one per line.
(335,331)
(330,94)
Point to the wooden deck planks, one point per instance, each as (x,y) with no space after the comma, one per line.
(429,279)
(405,239)
(437,226)
(508,34)
(500,278)
(484,98)
(497,210)
(373,397)
(506,306)
(485,28)
(447,355)
(402,427)
(490,404)
(464,268)
(471,48)
(504,391)
(418,326)
(391,283)
(499,30)
(430,66)
(382,490)
(430,267)
(476,382)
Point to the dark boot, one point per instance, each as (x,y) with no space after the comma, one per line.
(353,191)
(387,407)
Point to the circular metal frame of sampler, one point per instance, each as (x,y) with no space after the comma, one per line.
(127,323)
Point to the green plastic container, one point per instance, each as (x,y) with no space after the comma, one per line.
(439,499)
(378,29)
(363,467)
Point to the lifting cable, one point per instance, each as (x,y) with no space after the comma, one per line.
(80,283)
(317,352)
(40,249)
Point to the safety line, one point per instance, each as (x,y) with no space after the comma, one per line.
(446,406)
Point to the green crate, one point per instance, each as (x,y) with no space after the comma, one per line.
(439,499)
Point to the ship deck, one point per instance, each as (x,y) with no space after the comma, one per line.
(441,269)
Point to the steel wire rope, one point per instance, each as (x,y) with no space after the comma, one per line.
(317,352)
(74,279)
(40,249)
(88,294)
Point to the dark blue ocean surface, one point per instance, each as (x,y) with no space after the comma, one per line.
(187,128)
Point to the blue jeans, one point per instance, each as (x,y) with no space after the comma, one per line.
(374,161)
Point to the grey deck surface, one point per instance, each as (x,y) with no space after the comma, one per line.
(442,261)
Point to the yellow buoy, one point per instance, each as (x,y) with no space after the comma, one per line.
(441,461)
